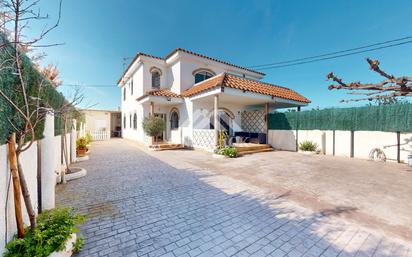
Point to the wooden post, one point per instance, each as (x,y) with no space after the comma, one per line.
(39,191)
(267,122)
(216,119)
(398,146)
(333,140)
(16,185)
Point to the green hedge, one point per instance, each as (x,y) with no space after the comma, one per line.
(49,96)
(396,117)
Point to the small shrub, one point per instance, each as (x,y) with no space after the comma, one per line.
(81,143)
(308,146)
(153,126)
(230,152)
(78,244)
(88,138)
(54,228)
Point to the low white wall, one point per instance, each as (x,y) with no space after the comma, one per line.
(50,166)
(364,142)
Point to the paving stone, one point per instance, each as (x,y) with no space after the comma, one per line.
(138,205)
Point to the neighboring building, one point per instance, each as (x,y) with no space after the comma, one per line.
(187,89)
(99,122)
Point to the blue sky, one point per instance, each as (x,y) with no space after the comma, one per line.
(98,34)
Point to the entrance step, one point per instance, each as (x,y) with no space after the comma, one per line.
(167,146)
(249,148)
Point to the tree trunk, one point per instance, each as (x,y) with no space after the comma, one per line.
(26,194)
(16,186)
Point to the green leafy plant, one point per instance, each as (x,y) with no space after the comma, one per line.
(228,151)
(88,138)
(308,146)
(78,244)
(54,228)
(153,126)
(81,144)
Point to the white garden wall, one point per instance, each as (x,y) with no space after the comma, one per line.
(364,142)
(50,166)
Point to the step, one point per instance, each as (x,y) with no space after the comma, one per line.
(251,147)
(256,151)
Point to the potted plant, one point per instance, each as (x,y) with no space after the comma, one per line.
(308,147)
(81,147)
(54,235)
(153,127)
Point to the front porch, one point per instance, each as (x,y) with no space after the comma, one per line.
(241,118)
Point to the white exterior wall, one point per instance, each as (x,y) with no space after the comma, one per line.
(50,165)
(203,111)
(364,142)
(177,75)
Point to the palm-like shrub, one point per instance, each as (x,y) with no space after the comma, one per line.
(308,146)
(153,126)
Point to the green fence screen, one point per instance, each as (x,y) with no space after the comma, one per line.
(50,97)
(396,117)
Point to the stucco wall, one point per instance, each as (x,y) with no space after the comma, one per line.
(364,142)
(97,120)
(51,165)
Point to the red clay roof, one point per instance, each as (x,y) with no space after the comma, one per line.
(185,51)
(227,80)
(159,92)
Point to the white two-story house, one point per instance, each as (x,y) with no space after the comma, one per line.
(192,93)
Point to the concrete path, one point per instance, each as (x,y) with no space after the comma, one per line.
(138,205)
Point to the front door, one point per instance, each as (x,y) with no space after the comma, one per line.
(163,136)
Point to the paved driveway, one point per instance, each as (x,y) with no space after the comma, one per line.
(138,205)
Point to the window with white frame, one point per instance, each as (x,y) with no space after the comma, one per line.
(202,74)
(131,86)
(156,74)
(174,120)
(135,121)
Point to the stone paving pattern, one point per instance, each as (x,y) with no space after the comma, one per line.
(138,205)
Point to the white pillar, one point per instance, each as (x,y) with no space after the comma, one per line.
(73,138)
(216,119)
(49,153)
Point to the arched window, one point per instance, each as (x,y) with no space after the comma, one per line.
(156,73)
(124,93)
(174,120)
(135,121)
(202,74)
(130,120)
(124,121)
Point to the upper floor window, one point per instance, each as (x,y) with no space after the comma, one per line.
(156,73)
(202,74)
(131,86)
(124,121)
(124,94)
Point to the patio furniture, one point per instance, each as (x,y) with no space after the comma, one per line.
(248,137)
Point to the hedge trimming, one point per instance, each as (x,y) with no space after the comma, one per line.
(392,118)
(49,96)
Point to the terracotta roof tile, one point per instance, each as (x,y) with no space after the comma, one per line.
(159,92)
(227,80)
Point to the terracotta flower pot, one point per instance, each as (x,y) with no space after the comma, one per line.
(81,152)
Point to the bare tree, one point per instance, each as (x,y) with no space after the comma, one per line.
(27,103)
(385,91)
